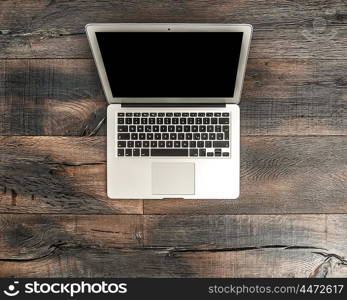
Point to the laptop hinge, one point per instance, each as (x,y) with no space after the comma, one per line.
(173,104)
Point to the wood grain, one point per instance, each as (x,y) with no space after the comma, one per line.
(280,97)
(282,28)
(49,175)
(278,175)
(173,246)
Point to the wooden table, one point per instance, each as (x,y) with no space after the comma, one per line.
(291,218)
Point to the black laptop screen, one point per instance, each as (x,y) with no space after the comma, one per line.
(171,64)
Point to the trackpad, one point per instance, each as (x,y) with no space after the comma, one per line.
(173,178)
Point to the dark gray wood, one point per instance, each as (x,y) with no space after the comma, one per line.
(278,175)
(280,97)
(282,28)
(173,246)
(57,174)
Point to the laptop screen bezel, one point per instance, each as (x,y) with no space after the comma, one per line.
(246,29)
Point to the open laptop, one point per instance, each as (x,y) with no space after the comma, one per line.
(173,124)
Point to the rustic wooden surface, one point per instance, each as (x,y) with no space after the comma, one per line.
(291,218)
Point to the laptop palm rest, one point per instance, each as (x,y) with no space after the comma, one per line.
(173,178)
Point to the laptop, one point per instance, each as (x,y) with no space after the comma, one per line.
(173,120)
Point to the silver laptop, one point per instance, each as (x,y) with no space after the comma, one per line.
(173,121)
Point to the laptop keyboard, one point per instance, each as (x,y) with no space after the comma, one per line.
(184,134)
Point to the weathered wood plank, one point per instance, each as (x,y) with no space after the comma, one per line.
(280,97)
(240,246)
(49,175)
(282,28)
(278,175)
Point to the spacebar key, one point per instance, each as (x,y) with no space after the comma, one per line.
(169,152)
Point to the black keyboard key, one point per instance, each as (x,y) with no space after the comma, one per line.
(154,144)
(219,136)
(223,120)
(206,121)
(140,128)
(201,114)
(198,121)
(177,114)
(155,128)
(189,136)
(190,120)
(209,128)
(121,121)
(209,114)
(120,114)
(165,136)
(183,121)
(177,144)
(204,136)
(209,154)
(120,152)
(217,114)
(192,144)
(148,128)
(161,114)
(214,121)
(202,152)
(186,128)
(128,121)
(161,144)
(202,128)
(185,144)
(225,153)
(193,152)
(128,152)
(212,136)
(136,121)
(151,121)
(169,152)
(173,136)
(171,128)
(169,114)
(195,128)
(196,136)
(217,128)
(225,114)
(123,128)
(153,114)
(129,114)
(167,121)
(175,121)
(150,136)
(138,144)
(208,144)
(200,144)
(160,121)
(220,144)
(144,152)
(185,115)
(157,136)
(144,121)
(145,114)
(180,136)
(130,144)
(179,128)
(121,144)
(137,115)
(136,152)
(145,144)
(226,132)
(124,136)
(142,136)
(132,128)
(193,114)
(169,144)
(163,128)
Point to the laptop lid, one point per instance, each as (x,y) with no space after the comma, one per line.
(170,63)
